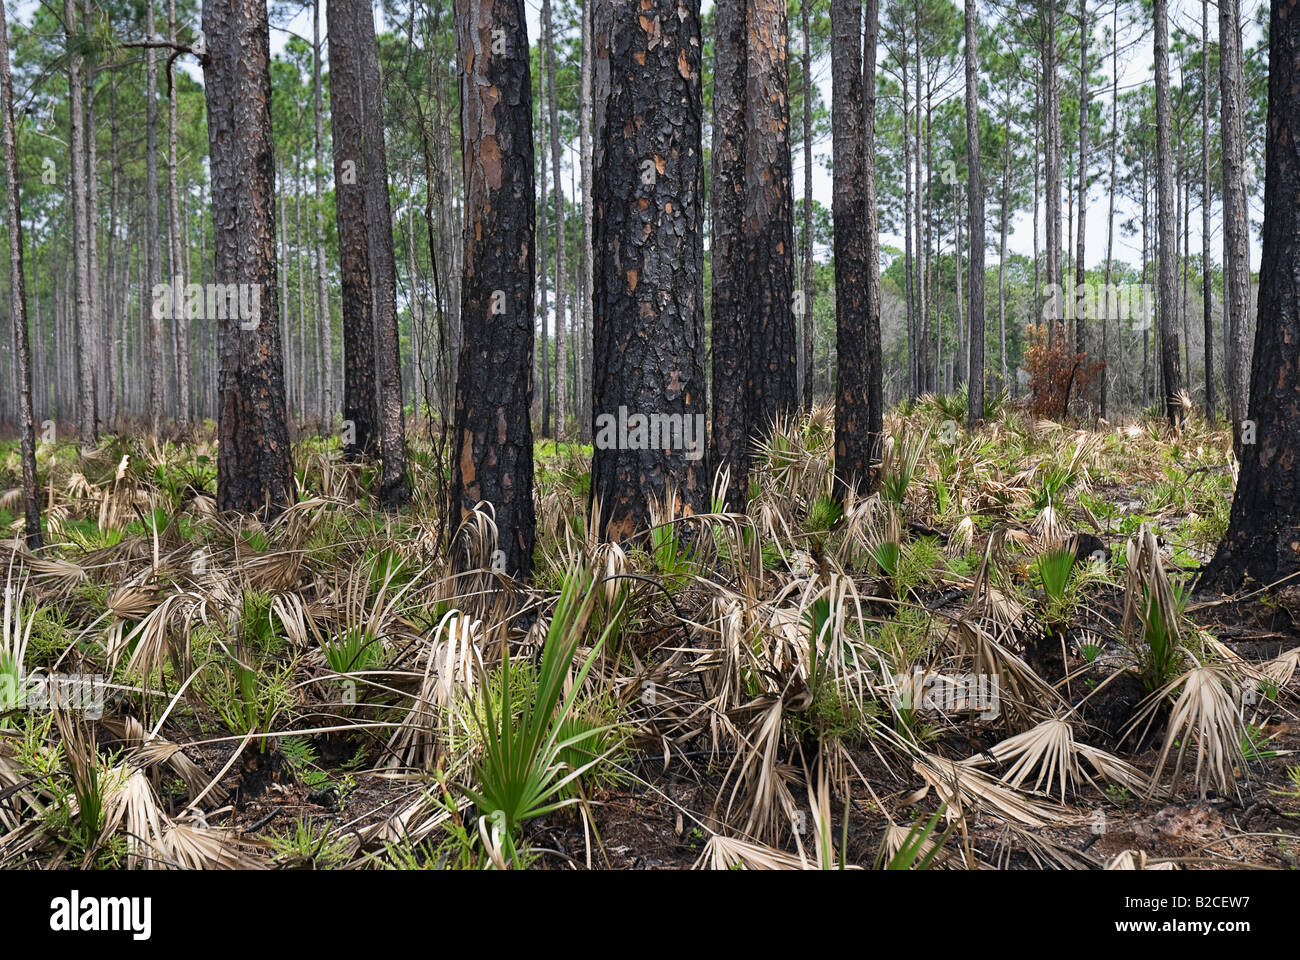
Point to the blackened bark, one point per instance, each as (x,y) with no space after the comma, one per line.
(730,357)
(768,228)
(493,437)
(1263,538)
(804,316)
(855,444)
(871,241)
(322,287)
(394,486)
(360,407)
(649,258)
(975,199)
(18,299)
(254,471)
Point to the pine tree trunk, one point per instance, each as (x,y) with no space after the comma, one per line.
(326,332)
(395,486)
(857,302)
(768,226)
(18,300)
(153,269)
(493,437)
(179,314)
(649,246)
(360,407)
(730,315)
(975,194)
(1263,538)
(87,432)
(1207,290)
(254,471)
(1236,225)
(585,148)
(807,338)
(561,355)
(1166,293)
(1080,273)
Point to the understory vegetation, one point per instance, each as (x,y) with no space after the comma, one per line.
(997,660)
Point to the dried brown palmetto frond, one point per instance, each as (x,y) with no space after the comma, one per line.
(731,853)
(964,788)
(1050,750)
(1206,715)
(1282,667)
(189,847)
(452,663)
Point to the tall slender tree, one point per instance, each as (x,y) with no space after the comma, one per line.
(318,172)
(360,408)
(1263,539)
(730,356)
(561,244)
(1236,263)
(492,452)
(1166,266)
(254,470)
(87,427)
(18,299)
(768,225)
(395,484)
(975,211)
(857,299)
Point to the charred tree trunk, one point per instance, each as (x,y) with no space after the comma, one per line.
(326,332)
(395,485)
(730,357)
(975,200)
(18,299)
(768,226)
(649,251)
(493,437)
(857,378)
(254,470)
(360,409)
(804,316)
(1263,538)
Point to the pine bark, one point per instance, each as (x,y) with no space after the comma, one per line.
(18,300)
(1262,544)
(493,435)
(254,471)
(649,255)
(360,406)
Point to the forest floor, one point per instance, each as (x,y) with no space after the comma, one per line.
(772,691)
